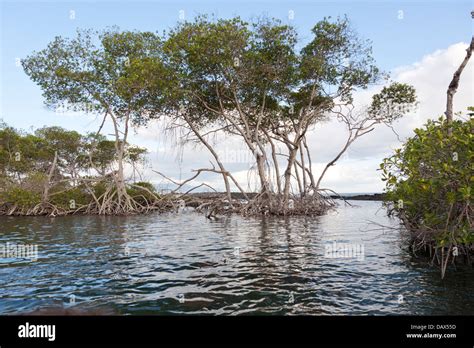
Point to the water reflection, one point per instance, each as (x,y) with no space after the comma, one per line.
(170,264)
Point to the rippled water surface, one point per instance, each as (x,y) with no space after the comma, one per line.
(184,263)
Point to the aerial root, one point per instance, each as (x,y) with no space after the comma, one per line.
(262,204)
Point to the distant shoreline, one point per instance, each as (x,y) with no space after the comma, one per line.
(362,197)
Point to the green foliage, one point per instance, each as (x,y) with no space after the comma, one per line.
(393,102)
(136,154)
(143,196)
(122,74)
(337,57)
(430,181)
(99,189)
(100,151)
(71,198)
(18,151)
(33,181)
(20,197)
(218,64)
(247,79)
(26,159)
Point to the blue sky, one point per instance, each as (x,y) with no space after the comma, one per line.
(29,25)
(403,33)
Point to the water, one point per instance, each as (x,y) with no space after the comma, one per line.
(186,264)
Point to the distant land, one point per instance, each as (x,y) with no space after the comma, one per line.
(360,196)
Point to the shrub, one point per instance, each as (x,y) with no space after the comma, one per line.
(429,184)
(143,196)
(78,195)
(20,197)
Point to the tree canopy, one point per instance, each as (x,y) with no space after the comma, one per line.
(248,80)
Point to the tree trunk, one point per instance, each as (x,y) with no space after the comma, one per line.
(310,164)
(291,160)
(120,178)
(298,179)
(265,187)
(453,86)
(303,167)
(275,164)
(47,184)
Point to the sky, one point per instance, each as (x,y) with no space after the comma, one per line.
(418,42)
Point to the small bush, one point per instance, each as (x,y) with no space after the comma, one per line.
(429,184)
(71,198)
(20,197)
(142,195)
